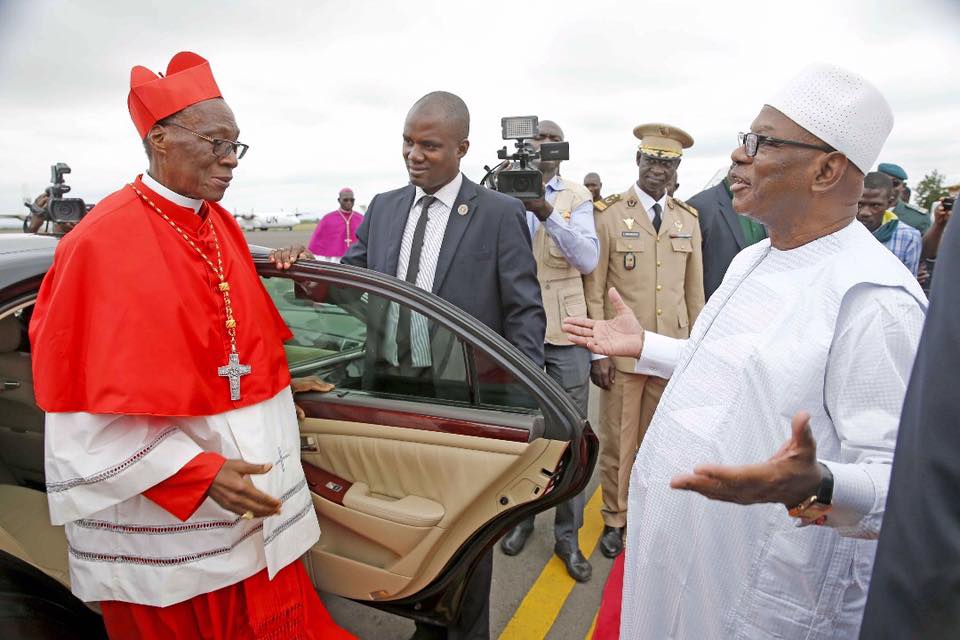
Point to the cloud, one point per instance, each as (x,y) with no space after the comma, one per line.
(321,89)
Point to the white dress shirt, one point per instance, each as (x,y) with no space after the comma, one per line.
(437,216)
(647,201)
(830,327)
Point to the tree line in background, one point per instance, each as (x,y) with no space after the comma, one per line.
(930,189)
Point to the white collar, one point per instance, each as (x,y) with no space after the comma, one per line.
(647,200)
(172,196)
(447,194)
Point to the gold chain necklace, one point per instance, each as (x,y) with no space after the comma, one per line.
(346,221)
(233,369)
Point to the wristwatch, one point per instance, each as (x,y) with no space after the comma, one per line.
(814,509)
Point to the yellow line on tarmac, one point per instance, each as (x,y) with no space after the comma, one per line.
(593,625)
(542,604)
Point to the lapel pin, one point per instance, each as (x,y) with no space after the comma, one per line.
(678,225)
(463,209)
(628,222)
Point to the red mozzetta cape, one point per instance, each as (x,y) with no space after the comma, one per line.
(129,319)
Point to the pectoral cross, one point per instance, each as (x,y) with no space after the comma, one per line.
(282,459)
(233,370)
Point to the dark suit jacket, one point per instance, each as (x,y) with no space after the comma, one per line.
(915,589)
(486,265)
(722,234)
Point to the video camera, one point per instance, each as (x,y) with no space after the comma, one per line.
(517,178)
(57,208)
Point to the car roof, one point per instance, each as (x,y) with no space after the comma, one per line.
(24,255)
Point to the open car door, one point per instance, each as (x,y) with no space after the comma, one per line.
(419,462)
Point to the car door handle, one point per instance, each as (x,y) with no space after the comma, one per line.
(413,511)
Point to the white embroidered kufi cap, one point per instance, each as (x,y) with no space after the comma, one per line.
(841,108)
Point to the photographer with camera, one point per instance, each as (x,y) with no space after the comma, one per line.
(566,248)
(931,239)
(52,208)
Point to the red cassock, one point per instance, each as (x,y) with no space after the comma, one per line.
(153,339)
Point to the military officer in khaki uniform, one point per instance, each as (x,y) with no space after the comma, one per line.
(650,251)
(566,247)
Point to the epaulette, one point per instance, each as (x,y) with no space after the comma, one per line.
(684,205)
(600,205)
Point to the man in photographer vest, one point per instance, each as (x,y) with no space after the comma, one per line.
(650,251)
(178,480)
(565,246)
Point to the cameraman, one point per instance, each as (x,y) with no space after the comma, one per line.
(566,248)
(37,217)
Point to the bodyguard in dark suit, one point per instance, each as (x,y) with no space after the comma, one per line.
(468,245)
(725,233)
(915,589)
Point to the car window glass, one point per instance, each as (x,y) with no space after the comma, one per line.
(498,388)
(349,337)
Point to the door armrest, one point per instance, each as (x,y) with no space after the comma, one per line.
(413,511)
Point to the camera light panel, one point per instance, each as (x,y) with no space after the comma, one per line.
(519,127)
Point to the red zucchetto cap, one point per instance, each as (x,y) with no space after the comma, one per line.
(188,81)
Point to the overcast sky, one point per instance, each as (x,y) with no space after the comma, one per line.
(320,89)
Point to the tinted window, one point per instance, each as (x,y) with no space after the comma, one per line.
(349,337)
(353,339)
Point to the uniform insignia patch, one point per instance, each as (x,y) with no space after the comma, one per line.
(601,205)
(629,222)
(684,205)
(631,203)
(629,261)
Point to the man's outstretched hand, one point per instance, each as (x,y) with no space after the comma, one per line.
(790,476)
(303,385)
(283,258)
(621,336)
(233,490)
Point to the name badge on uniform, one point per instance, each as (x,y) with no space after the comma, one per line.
(681,235)
(629,261)
(630,234)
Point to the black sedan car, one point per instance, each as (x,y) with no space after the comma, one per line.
(412,479)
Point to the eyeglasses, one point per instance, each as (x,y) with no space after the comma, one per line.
(751,143)
(221,148)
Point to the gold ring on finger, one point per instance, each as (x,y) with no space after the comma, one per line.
(247,515)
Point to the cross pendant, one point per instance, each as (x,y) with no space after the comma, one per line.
(233,370)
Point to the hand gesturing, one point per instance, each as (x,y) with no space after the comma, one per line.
(621,336)
(790,476)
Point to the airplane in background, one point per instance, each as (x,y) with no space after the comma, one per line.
(12,221)
(265,221)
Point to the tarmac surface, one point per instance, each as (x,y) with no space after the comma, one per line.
(532,596)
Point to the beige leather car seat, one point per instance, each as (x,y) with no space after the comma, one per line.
(26,532)
(21,421)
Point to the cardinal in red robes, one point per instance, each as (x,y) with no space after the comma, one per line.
(172,445)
